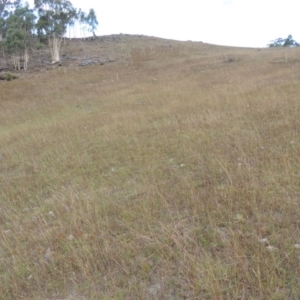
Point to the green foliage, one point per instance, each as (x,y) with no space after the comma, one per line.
(39,46)
(49,20)
(290,42)
(5,8)
(90,19)
(20,25)
(6,5)
(280,42)
(276,43)
(54,16)
(9,76)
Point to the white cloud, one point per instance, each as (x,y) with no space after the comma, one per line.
(227,2)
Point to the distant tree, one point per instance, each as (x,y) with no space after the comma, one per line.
(288,42)
(88,21)
(5,7)
(54,18)
(91,21)
(276,43)
(81,16)
(20,25)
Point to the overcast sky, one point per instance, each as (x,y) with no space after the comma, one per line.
(246,23)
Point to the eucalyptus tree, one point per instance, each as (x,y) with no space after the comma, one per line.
(290,42)
(91,21)
(5,8)
(280,42)
(88,21)
(54,16)
(20,26)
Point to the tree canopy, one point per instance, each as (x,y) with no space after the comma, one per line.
(280,42)
(19,27)
(5,5)
(54,16)
(5,8)
(48,20)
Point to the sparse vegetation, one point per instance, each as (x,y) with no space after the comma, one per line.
(7,76)
(169,174)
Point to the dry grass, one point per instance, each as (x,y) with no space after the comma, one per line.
(173,174)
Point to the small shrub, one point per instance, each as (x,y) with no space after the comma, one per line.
(39,46)
(9,76)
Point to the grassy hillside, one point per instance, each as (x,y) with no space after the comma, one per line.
(172,173)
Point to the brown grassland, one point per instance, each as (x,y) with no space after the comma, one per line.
(172,173)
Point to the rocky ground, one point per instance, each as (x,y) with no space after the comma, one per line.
(80,53)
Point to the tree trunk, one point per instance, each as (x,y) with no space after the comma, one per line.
(26,59)
(17,60)
(55,47)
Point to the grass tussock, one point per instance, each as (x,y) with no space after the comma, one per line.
(173,174)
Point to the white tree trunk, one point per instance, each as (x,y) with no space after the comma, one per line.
(55,47)
(17,61)
(26,59)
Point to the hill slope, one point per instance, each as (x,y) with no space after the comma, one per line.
(170,173)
